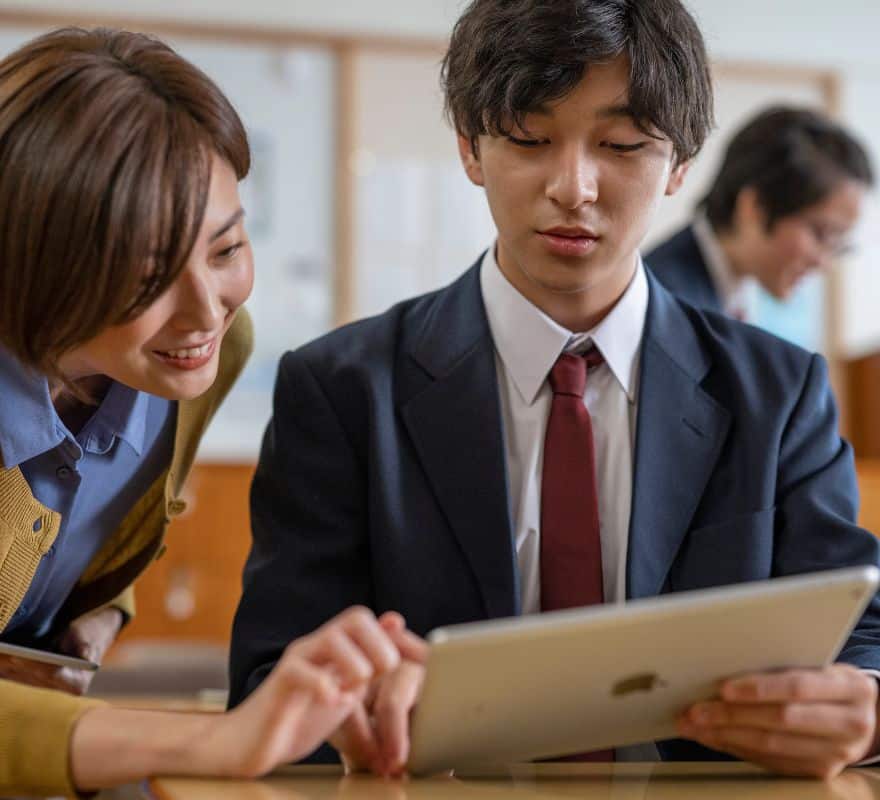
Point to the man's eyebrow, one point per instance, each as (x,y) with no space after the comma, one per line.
(619,110)
(606,112)
(238,215)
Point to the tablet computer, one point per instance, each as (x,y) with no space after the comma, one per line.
(607,676)
(46,657)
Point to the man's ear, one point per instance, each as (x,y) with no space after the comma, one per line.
(676,177)
(748,213)
(469,153)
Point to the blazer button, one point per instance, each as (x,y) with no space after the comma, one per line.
(177,507)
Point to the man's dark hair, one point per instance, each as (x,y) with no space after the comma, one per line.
(508,58)
(792,158)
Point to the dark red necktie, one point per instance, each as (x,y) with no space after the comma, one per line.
(571,549)
(571,552)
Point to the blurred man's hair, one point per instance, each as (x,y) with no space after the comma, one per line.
(792,157)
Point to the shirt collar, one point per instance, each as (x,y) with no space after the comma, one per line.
(122,414)
(30,425)
(529,342)
(729,286)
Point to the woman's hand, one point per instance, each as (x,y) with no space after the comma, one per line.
(88,637)
(319,681)
(375,736)
(317,684)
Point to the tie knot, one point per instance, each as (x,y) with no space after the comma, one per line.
(569,373)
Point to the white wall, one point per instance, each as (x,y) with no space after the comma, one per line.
(812,31)
(842,36)
(405,17)
(800,31)
(788,30)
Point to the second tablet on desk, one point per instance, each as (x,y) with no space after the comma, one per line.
(46,657)
(589,679)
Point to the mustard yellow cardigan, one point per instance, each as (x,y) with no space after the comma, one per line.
(36,724)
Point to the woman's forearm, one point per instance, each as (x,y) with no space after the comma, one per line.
(111,746)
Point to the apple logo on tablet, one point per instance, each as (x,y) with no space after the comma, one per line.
(643,682)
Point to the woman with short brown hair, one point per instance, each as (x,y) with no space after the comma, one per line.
(123,265)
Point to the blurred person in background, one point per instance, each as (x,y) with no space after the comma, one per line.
(786,198)
(124,262)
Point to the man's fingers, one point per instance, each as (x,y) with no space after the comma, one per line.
(778,764)
(765,747)
(396,698)
(822,720)
(838,683)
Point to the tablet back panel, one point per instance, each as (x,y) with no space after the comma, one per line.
(586,679)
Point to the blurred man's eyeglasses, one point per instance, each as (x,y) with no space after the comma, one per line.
(830,241)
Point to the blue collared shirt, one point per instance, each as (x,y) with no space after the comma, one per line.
(92,478)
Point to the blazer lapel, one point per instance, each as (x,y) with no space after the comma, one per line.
(451,410)
(679,435)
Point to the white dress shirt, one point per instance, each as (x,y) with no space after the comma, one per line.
(738,295)
(527,344)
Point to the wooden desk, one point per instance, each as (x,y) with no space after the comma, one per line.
(671,781)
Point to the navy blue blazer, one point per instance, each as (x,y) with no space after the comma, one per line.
(679,265)
(382,478)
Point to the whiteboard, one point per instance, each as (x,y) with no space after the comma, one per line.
(419,221)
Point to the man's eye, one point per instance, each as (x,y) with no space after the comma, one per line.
(526,142)
(617,147)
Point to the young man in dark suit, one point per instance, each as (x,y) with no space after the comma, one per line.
(789,191)
(555,429)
